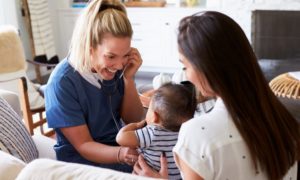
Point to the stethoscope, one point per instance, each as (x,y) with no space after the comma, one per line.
(112,89)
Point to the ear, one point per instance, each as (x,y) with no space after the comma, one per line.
(156,118)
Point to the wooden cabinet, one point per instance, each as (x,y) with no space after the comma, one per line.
(155,35)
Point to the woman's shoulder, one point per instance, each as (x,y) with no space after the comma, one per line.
(212,126)
(216,116)
(63,68)
(204,126)
(62,72)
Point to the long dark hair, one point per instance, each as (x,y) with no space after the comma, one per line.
(216,46)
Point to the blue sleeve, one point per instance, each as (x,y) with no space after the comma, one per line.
(63,107)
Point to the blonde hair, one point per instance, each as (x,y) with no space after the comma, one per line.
(98,18)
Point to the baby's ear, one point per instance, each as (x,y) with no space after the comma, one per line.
(156,118)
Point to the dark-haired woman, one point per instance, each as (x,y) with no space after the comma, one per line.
(249,134)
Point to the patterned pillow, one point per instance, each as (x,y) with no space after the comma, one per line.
(14,137)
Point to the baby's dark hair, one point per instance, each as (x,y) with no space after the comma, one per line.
(175,104)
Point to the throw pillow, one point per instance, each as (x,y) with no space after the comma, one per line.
(10,166)
(14,137)
(12,99)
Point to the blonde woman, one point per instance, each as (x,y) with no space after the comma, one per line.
(91,90)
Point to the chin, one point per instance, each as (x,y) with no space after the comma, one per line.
(107,77)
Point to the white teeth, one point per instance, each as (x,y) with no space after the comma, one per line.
(112,71)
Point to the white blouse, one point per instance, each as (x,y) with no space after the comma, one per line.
(211,145)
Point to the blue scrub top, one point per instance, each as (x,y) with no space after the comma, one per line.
(71,101)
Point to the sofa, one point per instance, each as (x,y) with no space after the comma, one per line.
(274,67)
(17,147)
(25,157)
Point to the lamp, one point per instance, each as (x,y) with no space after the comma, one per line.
(287,85)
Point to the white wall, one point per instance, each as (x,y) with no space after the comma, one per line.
(240,10)
(8,13)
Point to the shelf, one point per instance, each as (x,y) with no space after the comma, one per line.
(161,3)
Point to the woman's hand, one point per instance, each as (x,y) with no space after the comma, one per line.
(128,155)
(141,168)
(134,63)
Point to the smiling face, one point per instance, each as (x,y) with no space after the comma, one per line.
(196,77)
(110,56)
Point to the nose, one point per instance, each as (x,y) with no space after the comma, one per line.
(121,63)
(119,66)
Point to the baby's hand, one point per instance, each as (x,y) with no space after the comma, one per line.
(127,137)
(141,124)
(134,126)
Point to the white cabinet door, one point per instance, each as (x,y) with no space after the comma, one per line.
(172,19)
(155,35)
(145,37)
(171,56)
(152,36)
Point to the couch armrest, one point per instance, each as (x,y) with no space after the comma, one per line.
(44,146)
(47,169)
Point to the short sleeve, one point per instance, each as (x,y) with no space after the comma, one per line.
(188,148)
(63,107)
(144,136)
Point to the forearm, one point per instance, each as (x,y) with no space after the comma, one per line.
(89,149)
(127,137)
(99,153)
(132,109)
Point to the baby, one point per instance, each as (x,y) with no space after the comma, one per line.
(170,106)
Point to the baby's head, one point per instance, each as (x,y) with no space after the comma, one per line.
(171,105)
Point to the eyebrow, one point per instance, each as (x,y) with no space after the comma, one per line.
(110,54)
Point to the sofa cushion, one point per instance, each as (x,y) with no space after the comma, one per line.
(44,146)
(10,166)
(14,137)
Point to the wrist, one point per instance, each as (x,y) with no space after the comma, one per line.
(129,79)
(119,155)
